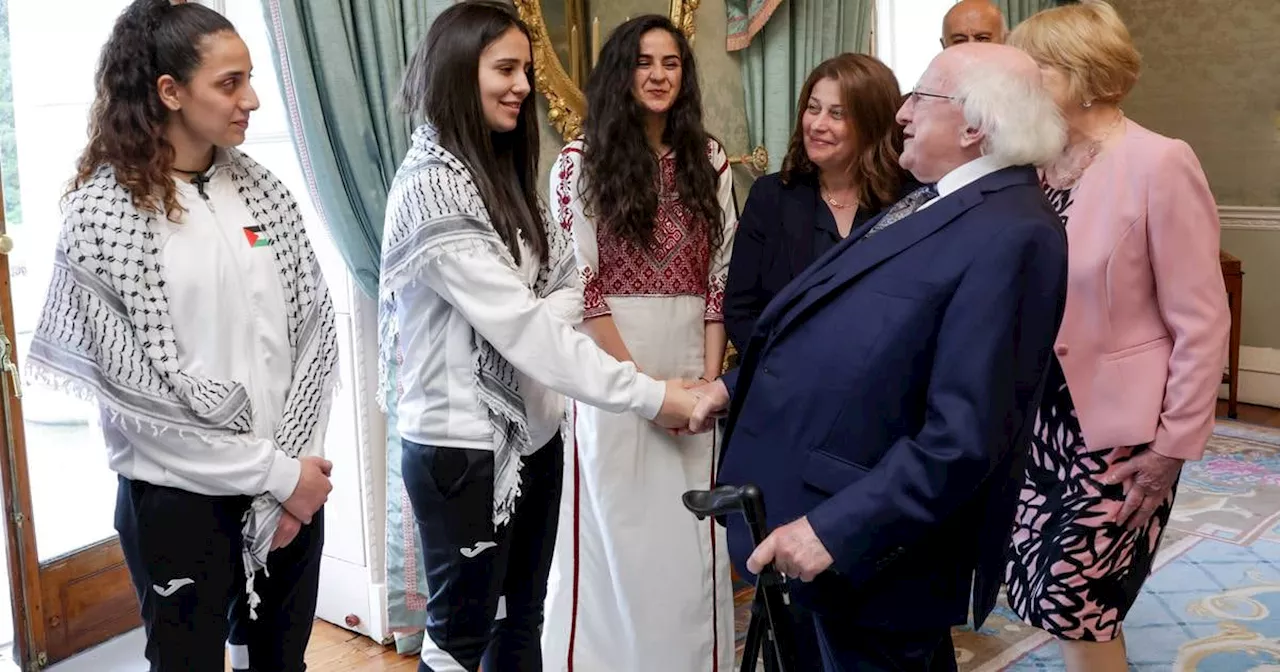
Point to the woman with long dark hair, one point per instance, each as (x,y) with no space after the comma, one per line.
(479,299)
(640,583)
(186,299)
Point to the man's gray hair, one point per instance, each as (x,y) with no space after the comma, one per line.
(1019,121)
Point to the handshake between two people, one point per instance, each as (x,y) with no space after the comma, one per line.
(692,406)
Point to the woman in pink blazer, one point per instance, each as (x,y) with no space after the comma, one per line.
(1132,391)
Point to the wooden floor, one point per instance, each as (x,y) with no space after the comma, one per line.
(336,650)
(333,649)
(1258,415)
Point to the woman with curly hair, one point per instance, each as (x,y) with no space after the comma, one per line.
(638,582)
(186,299)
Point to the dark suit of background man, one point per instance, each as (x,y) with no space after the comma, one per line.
(885,398)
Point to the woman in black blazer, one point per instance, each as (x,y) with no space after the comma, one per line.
(841,169)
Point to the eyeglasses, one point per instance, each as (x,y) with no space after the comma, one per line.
(924,94)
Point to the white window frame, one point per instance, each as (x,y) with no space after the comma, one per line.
(907,34)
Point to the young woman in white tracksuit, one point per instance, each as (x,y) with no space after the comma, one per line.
(185,298)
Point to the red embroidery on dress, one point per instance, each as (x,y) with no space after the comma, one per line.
(715,300)
(563,195)
(593,303)
(675,263)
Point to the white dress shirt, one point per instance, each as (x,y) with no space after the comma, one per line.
(965,174)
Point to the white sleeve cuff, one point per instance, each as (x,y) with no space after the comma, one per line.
(283,475)
(650,394)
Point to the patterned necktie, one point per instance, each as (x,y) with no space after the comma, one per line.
(909,204)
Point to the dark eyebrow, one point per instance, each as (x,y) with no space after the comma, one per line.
(508,61)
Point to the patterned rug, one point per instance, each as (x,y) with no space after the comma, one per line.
(1213,603)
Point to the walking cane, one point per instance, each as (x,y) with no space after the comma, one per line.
(770,627)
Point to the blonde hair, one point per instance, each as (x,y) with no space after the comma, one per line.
(1089,43)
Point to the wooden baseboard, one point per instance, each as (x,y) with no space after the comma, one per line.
(349,592)
(1259,377)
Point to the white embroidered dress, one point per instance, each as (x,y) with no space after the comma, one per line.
(638,584)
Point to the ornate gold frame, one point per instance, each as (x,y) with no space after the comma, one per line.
(566,102)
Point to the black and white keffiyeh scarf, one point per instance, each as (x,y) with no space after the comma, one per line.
(105,332)
(434,204)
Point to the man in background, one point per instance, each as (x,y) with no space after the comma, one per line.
(973,21)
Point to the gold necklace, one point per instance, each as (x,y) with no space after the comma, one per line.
(826,196)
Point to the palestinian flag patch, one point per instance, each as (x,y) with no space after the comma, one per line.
(257,236)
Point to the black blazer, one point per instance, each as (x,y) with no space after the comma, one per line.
(773,244)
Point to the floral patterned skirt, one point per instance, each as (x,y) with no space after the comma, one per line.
(1072,570)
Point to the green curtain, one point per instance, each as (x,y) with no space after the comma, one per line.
(745,19)
(798,36)
(348,134)
(1015,11)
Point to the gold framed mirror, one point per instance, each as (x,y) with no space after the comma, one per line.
(566,42)
(565,45)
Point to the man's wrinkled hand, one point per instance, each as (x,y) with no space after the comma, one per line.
(713,404)
(795,550)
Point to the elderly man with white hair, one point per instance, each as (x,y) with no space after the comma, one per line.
(885,400)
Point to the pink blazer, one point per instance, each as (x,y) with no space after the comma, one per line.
(1144,335)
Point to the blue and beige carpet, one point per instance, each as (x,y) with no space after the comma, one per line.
(1213,603)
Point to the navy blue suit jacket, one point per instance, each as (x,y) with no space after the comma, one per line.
(888,393)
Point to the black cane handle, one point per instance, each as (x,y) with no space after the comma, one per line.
(726,499)
(723,500)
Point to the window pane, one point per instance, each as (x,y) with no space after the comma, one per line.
(53,51)
(908,36)
(270,140)
(270,122)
